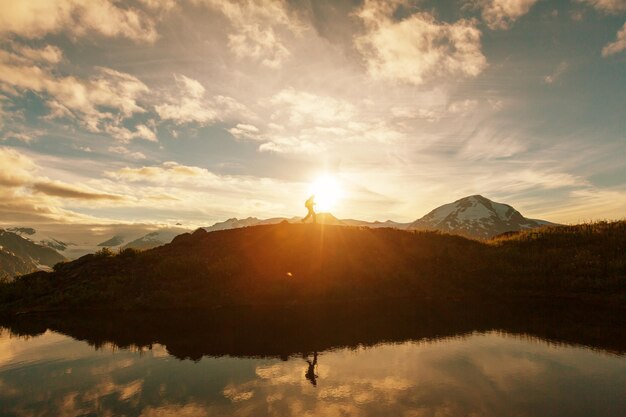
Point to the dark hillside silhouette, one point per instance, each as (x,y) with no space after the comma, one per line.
(297,264)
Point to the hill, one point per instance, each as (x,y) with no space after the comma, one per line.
(300,264)
(477,217)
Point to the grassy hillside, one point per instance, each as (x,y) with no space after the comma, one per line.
(298,264)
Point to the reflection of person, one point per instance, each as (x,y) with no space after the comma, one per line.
(309,204)
(310,372)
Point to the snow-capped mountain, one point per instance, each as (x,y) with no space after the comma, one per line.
(20,255)
(376,224)
(40,238)
(476,216)
(157,238)
(234,223)
(322,218)
(116,240)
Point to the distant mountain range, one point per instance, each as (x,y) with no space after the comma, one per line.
(154,239)
(19,255)
(322,218)
(474,216)
(25,249)
(114,241)
(41,239)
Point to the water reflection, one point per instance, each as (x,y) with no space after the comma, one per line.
(415,361)
(311,369)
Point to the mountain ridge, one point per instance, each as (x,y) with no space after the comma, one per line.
(477,217)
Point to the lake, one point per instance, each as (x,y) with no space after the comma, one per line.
(413,361)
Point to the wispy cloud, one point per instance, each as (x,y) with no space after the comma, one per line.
(188,104)
(501,14)
(99,102)
(606,6)
(37,18)
(258,28)
(59,189)
(556,74)
(618,46)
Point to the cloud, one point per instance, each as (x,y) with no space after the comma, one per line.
(293,145)
(99,103)
(48,53)
(606,6)
(618,46)
(418,47)
(124,151)
(303,122)
(26,196)
(189,105)
(243,130)
(38,18)
(22,173)
(556,74)
(16,168)
(257,27)
(59,189)
(168,172)
(437,112)
(492,144)
(302,107)
(501,14)
(125,135)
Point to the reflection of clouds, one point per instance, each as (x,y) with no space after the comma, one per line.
(481,375)
(490,374)
(236,394)
(188,410)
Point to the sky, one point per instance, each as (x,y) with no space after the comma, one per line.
(194,111)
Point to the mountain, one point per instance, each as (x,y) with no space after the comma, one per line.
(154,239)
(476,217)
(234,223)
(40,238)
(28,250)
(376,224)
(114,241)
(322,218)
(12,265)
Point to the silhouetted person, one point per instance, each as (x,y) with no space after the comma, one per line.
(310,372)
(310,204)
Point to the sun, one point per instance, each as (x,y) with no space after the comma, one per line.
(327,193)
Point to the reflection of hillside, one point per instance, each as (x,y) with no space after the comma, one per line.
(265,332)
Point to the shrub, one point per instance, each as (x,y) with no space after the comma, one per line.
(128,252)
(104,253)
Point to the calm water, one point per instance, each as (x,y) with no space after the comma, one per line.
(467,373)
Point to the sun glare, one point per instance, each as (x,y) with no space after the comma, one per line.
(327,193)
